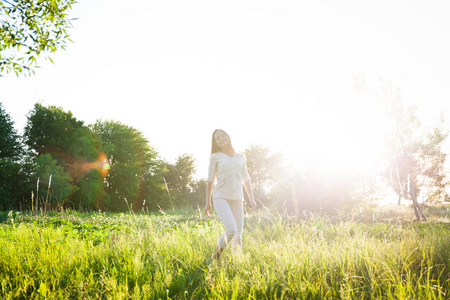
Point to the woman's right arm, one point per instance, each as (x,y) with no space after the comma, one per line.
(209,183)
(209,188)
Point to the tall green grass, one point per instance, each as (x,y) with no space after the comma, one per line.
(73,255)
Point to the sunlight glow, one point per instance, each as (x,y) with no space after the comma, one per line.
(278,75)
(344,132)
(101,165)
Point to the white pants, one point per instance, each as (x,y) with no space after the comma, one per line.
(231,213)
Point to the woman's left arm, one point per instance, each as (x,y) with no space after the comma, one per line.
(249,191)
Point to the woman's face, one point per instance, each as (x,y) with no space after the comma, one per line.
(222,139)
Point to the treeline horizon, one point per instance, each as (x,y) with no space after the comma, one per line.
(59,162)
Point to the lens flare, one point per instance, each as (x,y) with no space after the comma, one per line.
(101,165)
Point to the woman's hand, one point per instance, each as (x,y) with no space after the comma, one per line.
(208,210)
(252,205)
(248,189)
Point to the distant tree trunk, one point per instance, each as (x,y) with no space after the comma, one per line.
(417,208)
(400,190)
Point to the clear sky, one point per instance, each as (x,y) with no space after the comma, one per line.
(275,73)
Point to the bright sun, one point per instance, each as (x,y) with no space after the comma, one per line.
(345,135)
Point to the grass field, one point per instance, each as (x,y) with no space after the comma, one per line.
(72,255)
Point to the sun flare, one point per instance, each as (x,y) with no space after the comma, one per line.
(346,135)
(101,164)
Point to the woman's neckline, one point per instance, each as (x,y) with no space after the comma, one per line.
(230,156)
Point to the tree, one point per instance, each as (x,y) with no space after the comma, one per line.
(414,158)
(11,151)
(197,197)
(10,144)
(11,184)
(136,169)
(179,176)
(416,165)
(90,193)
(433,174)
(30,29)
(54,131)
(264,169)
(53,184)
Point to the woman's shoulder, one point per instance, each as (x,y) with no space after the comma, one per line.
(240,156)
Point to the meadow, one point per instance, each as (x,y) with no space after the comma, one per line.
(163,255)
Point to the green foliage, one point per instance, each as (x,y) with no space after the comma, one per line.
(136,169)
(415,153)
(30,29)
(11,152)
(11,183)
(74,255)
(432,174)
(91,193)
(179,176)
(61,183)
(264,169)
(196,198)
(51,130)
(10,144)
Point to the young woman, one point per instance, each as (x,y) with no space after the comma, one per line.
(229,170)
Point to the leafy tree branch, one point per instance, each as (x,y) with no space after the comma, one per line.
(31,29)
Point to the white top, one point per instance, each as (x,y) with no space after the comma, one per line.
(231,173)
